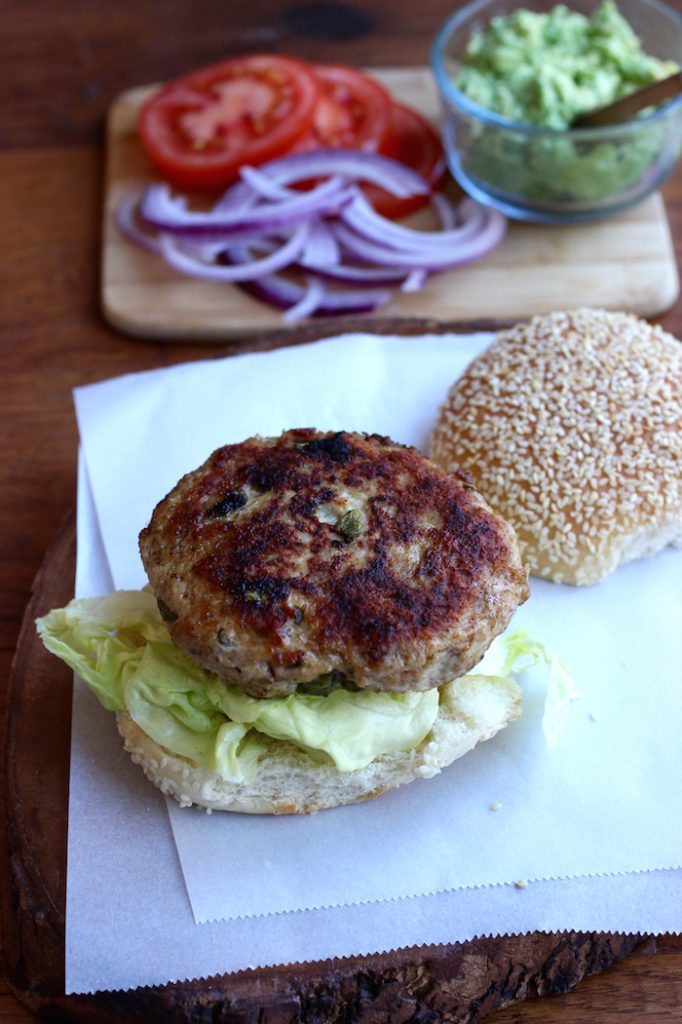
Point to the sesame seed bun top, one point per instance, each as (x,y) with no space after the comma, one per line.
(571,427)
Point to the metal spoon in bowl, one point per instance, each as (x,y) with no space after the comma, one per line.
(624,109)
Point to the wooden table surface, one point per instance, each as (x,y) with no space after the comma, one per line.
(62,64)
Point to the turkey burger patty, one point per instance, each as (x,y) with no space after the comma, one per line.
(319,558)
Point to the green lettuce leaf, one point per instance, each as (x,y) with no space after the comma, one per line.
(120,646)
(352,728)
(517,651)
(103,639)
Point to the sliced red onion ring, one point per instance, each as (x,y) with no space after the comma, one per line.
(448,213)
(309,302)
(210,250)
(278,291)
(162,211)
(288,295)
(321,248)
(128,223)
(364,219)
(426,258)
(353,164)
(327,233)
(351,274)
(263,185)
(247,271)
(415,280)
(239,196)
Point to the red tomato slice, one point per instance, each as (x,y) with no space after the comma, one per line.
(353,111)
(200,129)
(412,140)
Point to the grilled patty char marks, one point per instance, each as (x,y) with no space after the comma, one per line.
(283,559)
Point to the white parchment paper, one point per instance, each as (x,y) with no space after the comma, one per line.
(118,821)
(129,920)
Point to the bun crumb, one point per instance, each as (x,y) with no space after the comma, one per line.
(570,426)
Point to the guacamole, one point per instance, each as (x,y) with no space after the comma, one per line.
(545,69)
(542,70)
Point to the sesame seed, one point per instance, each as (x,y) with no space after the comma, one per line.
(571,427)
(520,885)
(495,806)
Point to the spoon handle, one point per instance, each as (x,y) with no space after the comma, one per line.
(626,108)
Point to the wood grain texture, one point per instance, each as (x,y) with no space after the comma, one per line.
(62,68)
(625,262)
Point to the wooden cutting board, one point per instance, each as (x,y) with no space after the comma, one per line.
(626,262)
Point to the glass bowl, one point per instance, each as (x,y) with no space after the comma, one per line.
(544,174)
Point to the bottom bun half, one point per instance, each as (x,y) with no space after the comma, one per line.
(289,781)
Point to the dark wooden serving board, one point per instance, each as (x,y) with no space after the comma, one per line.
(459,982)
